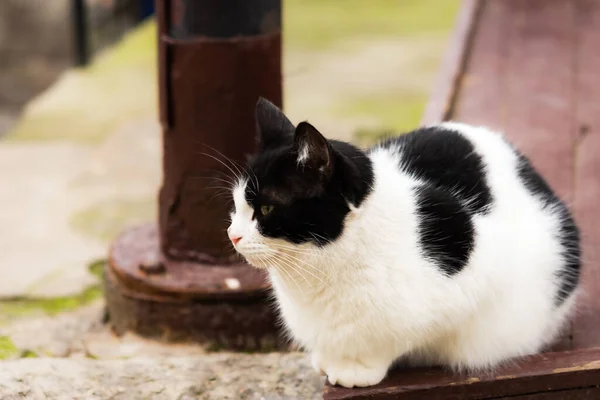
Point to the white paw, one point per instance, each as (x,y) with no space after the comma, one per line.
(315,360)
(353,374)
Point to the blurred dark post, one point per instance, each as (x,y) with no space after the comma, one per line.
(146,8)
(182,280)
(80,32)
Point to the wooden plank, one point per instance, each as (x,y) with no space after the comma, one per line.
(510,85)
(586,331)
(539,98)
(482,86)
(540,94)
(570,373)
(577,394)
(452,67)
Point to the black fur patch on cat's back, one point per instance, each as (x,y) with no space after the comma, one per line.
(446,232)
(533,181)
(568,234)
(446,159)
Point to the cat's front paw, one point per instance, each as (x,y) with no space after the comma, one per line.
(354,374)
(315,360)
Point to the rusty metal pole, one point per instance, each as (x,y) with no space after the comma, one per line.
(181,280)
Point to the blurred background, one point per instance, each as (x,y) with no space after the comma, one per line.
(80,149)
(39,40)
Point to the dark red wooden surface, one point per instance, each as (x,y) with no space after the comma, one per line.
(549,372)
(530,68)
(587,167)
(440,103)
(533,72)
(486,63)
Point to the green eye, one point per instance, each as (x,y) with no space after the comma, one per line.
(264,210)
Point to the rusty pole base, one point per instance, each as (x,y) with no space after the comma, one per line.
(225,307)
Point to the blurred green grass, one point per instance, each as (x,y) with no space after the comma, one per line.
(328,26)
(396,113)
(320,24)
(86,104)
(106,220)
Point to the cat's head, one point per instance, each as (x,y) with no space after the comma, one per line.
(296,191)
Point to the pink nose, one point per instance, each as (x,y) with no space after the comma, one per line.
(235,239)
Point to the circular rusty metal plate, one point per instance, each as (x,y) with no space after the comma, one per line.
(225,305)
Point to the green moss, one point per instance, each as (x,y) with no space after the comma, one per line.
(19,306)
(106,220)
(23,306)
(7,348)
(91,356)
(97,268)
(28,354)
(319,24)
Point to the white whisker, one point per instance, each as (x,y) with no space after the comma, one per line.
(291,260)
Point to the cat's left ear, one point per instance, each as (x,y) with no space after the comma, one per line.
(313,149)
(274,128)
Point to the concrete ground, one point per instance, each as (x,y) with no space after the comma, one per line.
(68,185)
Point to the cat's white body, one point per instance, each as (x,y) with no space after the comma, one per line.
(371,298)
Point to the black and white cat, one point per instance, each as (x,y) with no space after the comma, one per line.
(440,246)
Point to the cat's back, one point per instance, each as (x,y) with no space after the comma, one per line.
(476,195)
(476,166)
(446,158)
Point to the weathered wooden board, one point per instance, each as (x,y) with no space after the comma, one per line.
(519,79)
(586,331)
(450,75)
(542,376)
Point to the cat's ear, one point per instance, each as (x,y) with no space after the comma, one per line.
(274,129)
(313,149)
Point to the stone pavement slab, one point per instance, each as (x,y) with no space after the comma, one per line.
(66,201)
(219,376)
(89,362)
(82,333)
(35,239)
